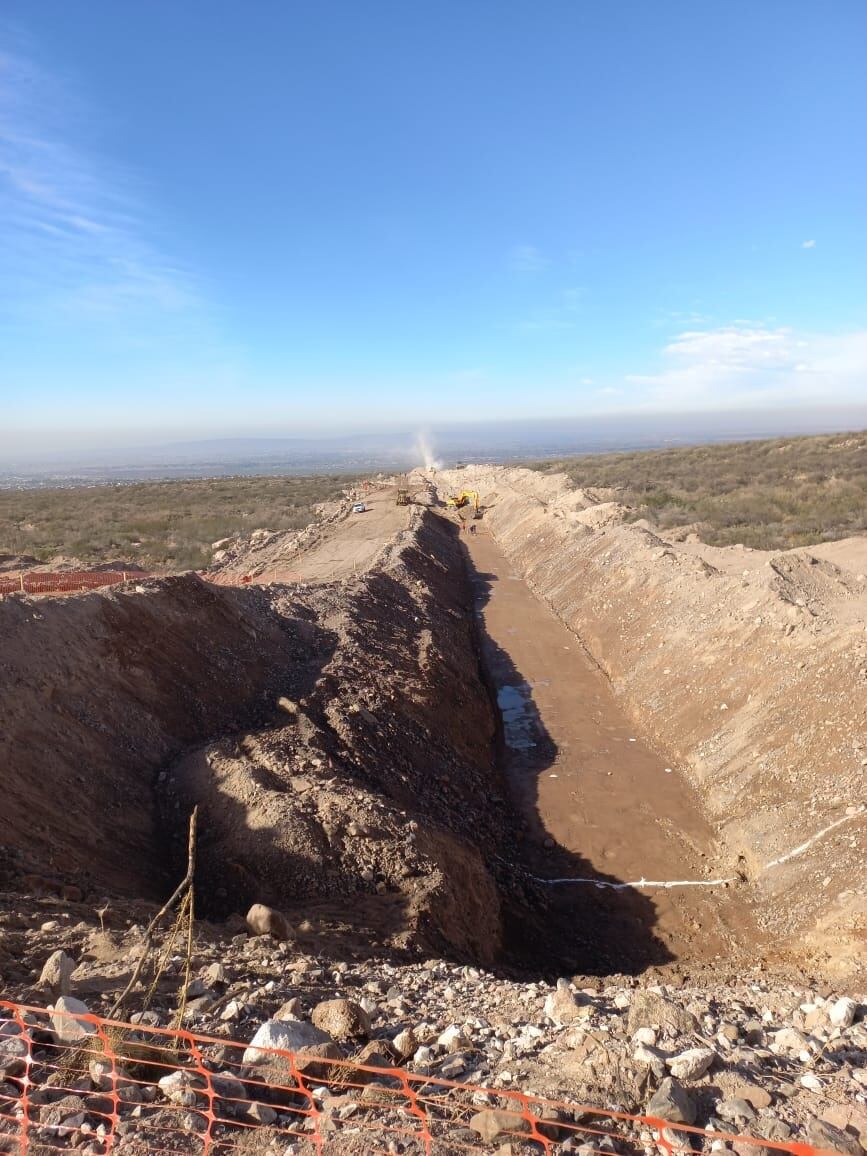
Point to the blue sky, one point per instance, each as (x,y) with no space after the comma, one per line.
(268,217)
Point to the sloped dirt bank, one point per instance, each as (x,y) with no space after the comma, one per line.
(97,692)
(376,793)
(751,682)
(337,739)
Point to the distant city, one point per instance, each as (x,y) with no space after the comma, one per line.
(403,449)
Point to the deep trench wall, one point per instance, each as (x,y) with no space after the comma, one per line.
(379,793)
(760,700)
(98,691)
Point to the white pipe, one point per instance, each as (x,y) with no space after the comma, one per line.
(667,884)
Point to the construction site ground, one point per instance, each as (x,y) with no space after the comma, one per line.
(400,733)
(599,801)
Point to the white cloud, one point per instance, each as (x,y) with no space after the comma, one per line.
(559,315)
(737,365)
(808,244)
(527,259)
(73,231)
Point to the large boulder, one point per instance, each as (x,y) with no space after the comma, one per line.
(57,974)
(262,920)
(562,1006)
(672,1102)
(285,1035)
(68,1029)
(691,1064)
(650,1009)
(496,1122)
(342,1019)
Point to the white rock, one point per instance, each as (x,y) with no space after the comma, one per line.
(57,974)
(67,1029)
(789,1040)
(691,1064)
(645,1036)
(451,1038)
(179,1087)
(561,1006)
(288,1035)
(842,1012)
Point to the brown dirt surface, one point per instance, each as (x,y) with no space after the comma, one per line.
(747,676)
(603,795)
(347,755)
(340,544)
(356,764)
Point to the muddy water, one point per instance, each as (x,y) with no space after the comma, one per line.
(597,800)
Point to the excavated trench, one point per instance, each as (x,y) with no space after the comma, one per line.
(373,756)
(598,808)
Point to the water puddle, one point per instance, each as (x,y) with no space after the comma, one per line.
(514,704)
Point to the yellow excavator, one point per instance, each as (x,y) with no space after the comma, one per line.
(464,498)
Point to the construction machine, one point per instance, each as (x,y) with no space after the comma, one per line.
(464,498)
(403,492)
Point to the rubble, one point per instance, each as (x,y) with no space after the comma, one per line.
(348,793)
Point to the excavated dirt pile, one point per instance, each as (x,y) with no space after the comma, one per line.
(747,669)
(375,795)
(337,739)
(98,692)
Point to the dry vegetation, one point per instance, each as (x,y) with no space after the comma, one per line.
(766,494)
(156,525)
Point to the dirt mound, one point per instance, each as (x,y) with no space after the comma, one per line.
(337,739)
(379,782)
(99,691)
(747,670)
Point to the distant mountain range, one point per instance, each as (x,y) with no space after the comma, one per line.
(371,450)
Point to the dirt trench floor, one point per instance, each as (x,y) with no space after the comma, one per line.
(598,802)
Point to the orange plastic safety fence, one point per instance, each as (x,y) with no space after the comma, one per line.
(64,582)
(99,1086)
(75,581)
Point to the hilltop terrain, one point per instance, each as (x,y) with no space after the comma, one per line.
(769,495)
(463,759)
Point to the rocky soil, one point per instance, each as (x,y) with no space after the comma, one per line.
(336,738)
(747,671)
(339,742)
(748,1056)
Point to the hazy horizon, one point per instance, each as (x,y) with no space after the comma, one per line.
(397,216)
(405,447)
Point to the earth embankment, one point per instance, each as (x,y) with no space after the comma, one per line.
(746,672)
(337,739)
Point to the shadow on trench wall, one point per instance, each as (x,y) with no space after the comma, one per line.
(583,929)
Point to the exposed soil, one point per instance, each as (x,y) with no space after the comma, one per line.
(598,794)
(398,733)
(355,764)
(746,671)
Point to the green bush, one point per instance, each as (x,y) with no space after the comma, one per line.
(770,495)
(173,523)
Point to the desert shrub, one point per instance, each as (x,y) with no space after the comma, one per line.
(156,525)
(772,494)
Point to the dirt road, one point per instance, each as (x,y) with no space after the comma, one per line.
(352,544)
(598,801)
(339,546)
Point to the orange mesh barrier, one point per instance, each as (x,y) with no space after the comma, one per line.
(65,581)
(84,1082)
(76,581)
(71,582)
